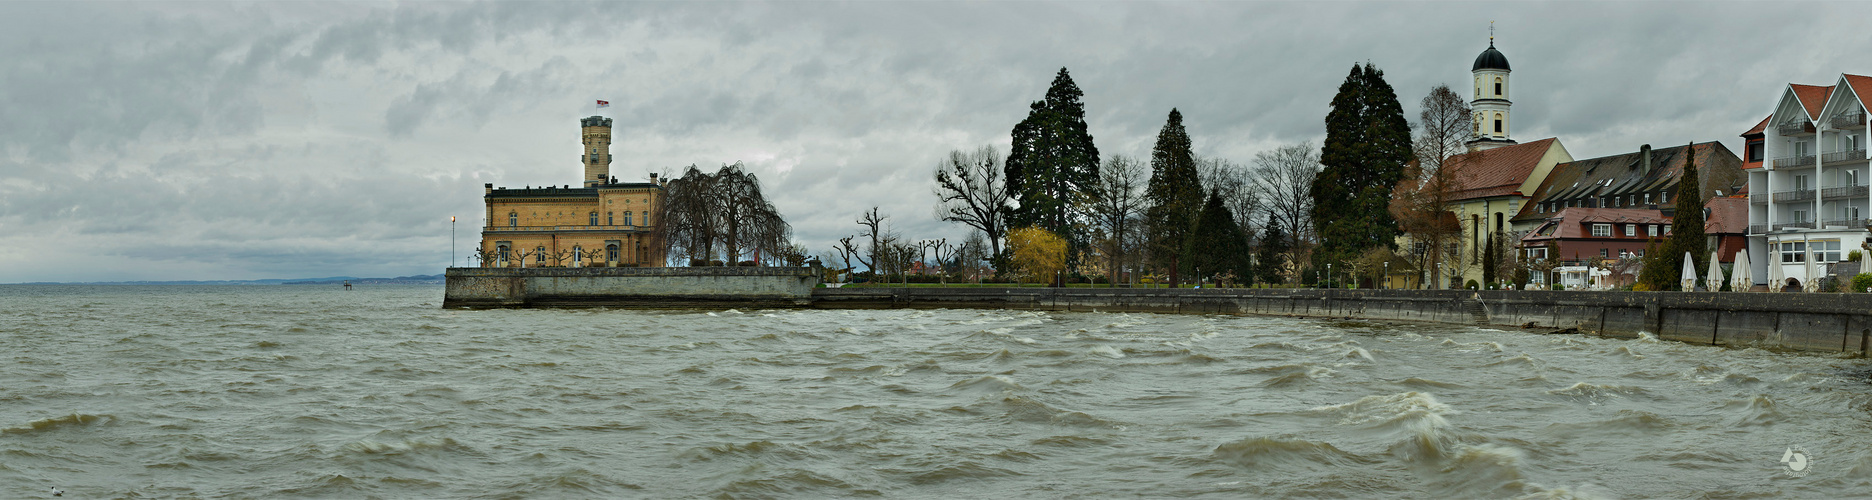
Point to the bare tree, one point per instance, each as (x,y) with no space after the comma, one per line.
(1283,181)
(874,229)
(1117,201)
(846,250)
(971,191)
(1421,202)
(702,210)
(1230,181)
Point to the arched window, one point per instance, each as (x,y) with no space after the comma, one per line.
(1498,86)
(1497,123)
(501,255)
(594,219)
(627,218)
(1498,222)
(611,253)
(513,219)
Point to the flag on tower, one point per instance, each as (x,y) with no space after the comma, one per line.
(604,104)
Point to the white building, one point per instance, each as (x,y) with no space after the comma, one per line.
(1815,143)
(1490,101)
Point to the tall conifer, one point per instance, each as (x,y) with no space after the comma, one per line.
(1217,245)
(1663,268)
(1176,196)
(1053,163)
(1368,145)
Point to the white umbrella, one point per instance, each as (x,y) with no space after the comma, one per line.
(1714,280)
(1807,281)
(1776,279)
(1689,273)
(1743,276)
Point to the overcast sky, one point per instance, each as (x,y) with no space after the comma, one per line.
(203,140)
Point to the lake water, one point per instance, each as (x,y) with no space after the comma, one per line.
(291,391)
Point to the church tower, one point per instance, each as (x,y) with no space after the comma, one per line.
(1490,100)
(596,132)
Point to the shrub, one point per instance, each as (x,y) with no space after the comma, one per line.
(1853,255)
(1641,287)
(1472,285)
(1861,282)
(1558,286)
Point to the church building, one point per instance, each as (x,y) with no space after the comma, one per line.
(600,223)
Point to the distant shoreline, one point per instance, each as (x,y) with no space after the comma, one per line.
(434,279)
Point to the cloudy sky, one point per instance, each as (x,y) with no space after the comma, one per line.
(200,140)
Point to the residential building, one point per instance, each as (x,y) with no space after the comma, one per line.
(1492,186)
(602,223)
(1808,201)
(1588,212)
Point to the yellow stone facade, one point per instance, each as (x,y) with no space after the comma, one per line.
(602,223)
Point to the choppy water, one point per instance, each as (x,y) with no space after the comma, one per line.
(314,392)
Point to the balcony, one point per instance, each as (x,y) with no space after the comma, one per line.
(562,228)
(1758,229)
(1793,225)
(1851,155)
(1856,119)
(1844,192)
(1758,198)
(1795,127)
(1849,223)
(1794,196)
(1794,161)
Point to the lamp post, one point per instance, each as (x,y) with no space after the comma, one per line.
(451,241)
(1387,275)
(1329,272)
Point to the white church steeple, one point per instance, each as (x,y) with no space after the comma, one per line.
(1490,99)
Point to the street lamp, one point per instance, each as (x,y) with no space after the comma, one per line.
(451,240)
(1329,272)
(1387,275)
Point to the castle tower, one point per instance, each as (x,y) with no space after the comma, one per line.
(1490,100)
(596,132)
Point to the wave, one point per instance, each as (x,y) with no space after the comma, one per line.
(1757,410)
(987,384)
(1412,421)
(56,423)
(1266,451)
(1599,393)
(1108,351)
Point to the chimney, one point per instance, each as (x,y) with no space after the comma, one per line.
(1644,159)
(489,187)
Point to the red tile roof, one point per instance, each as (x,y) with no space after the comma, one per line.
(1811,97)
(1496,172)
(1726,216)
(1759,126)
(1573,222)
(1861,87)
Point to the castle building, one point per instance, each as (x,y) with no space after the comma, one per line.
(601,223)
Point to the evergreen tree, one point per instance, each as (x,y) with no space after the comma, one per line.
(1367,148)
(1053,163)
(1663,269)
(1488,261)
(1271,259)
(1175,195)
(1217,246)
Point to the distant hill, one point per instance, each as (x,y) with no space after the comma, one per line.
(432,279)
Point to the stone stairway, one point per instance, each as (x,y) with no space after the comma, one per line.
(1477,311)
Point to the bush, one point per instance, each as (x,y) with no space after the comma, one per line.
(1640,287)
(1853,255)
(1472,285)
(1558,286)
(1861,282)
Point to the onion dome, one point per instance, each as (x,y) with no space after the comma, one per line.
(1490,59)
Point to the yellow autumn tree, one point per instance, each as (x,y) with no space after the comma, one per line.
(1038,253)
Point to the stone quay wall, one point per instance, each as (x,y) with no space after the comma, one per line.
(1794,321)
(638,287)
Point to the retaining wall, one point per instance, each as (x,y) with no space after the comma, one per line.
(1798,321)
(651,287)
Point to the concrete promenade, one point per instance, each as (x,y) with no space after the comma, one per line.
(641,287)
(1795,321)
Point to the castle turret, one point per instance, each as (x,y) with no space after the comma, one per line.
(596,132)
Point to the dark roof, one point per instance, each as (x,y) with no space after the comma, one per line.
(1572,222)
(1727,215)
(1624,174)
(1490,59)
(543,192)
